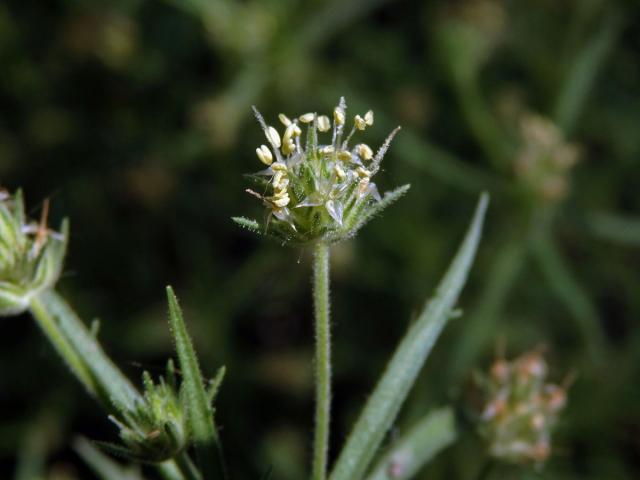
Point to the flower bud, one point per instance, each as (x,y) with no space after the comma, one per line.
(156,429)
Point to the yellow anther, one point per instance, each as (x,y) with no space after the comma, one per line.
(277,178)
(326,150)
(288,133)
(365,151)
(307,117)
(288,147)
(282,202)
(344,155)
(360,122)
(284,119)
(338,116)
(281,186)
(368,118)
(264,155)
(282,193)
(323,123)
(363,173)
(279,166)
(273,136)
(339,171)
(292,131)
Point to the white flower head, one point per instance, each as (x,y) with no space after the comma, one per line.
(322,190)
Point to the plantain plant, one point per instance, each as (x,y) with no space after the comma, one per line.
(316,193)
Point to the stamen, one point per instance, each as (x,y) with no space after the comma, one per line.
(264,155)
(284,119)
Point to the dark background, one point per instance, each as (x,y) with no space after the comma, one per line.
(134,118)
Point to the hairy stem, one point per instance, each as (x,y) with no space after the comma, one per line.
(322,360)
(82,352)
(186,467)
(63,346)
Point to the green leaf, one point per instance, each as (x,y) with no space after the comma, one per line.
(214,384)
(384,404)
(615,228)
(415,449)
(247,223)
(199,410)
(583,72)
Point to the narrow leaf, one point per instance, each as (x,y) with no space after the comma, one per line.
(384,404)
(583,72)
(200,412)
(214,384)
(247,223)
(415,449)
(615,228)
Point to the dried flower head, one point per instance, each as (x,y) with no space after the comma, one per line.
(322,191)
(31,254)
(521,409)
(545,158)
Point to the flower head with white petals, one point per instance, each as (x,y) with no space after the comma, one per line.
(321,191)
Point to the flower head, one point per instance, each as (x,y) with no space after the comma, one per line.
(31,254)
(521,409)
(545,158)
(157,428)
(322,190)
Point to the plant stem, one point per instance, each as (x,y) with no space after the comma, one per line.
(82,352)
(322,360)
(186,466)
(46,321)
(169,470)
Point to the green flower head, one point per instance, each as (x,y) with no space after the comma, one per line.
(157,428)
(31,255)
(322,191)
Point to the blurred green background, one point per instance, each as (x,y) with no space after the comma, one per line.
(134,117)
